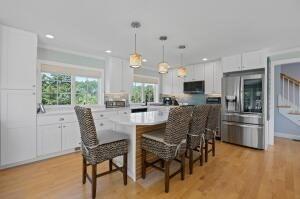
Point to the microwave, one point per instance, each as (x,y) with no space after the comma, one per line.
(195,87)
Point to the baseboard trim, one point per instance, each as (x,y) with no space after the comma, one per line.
(287,135)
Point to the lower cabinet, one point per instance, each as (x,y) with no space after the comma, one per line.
(49,139)
(70,137)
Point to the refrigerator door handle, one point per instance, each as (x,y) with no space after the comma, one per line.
(242,125)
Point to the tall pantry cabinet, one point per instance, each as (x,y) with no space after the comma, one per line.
(18,55)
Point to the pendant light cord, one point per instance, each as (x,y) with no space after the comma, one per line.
(181,59)
(135,42)
(163,52)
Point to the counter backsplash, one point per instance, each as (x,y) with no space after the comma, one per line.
(116,97)
(187,98)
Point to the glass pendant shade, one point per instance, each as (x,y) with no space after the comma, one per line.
(135,60)
(181,72)
(163,67)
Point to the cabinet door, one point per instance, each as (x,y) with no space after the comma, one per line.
(232,63)
(177,85)
(199,72)
(70,137)
(218,74)
(190,74)
(18,58)
(102,125)
(49,139)
(209,78)
(113,75)
(167,83)
(127,77)
(253,60)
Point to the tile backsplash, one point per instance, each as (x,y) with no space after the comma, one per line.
(187,98)
(117,97)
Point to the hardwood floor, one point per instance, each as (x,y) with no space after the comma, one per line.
(235,172)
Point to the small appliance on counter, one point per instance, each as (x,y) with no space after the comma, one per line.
(170,101)
(41,108)
(115,104)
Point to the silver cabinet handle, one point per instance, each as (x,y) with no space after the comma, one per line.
(33,86)
(61,119)
(59,127)
(33,93)
(101,124)
(101,115)
(64,126)
(125,112)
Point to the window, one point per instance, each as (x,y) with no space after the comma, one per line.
(65,85)
(56,89)
(86,90)
(143,91)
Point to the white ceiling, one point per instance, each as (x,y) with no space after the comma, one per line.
(209,28)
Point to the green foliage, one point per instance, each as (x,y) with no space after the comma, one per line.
(86,90)
(142,91)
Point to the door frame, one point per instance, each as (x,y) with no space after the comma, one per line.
(271,123)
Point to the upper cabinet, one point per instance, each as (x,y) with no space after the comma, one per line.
(232,63)
(254,60)
(18,55)
(245,61)
(167,82)
(118,76)
(195,73)
(177,87)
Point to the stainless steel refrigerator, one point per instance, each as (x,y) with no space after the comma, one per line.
(242,109)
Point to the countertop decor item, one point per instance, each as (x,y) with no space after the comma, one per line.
(163,66)
(135,60)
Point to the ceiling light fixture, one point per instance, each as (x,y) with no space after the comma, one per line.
(163,66)
(48,36)
(204,59)
(135,60)
(108,51)
(181,72)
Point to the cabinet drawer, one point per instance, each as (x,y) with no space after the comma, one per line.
(125,112)
(104,114)
(52,119)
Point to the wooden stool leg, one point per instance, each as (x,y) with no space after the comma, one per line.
(214,147)
(201,155)
(182,166)
(125,169)
(206,150)
(162,163)
(167,176)
(94,180)
(191,160)
(83,170)
(143,163)
(110,165)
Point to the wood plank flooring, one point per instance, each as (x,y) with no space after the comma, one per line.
(235,172)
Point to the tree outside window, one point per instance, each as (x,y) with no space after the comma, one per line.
(86,90)
(142,91)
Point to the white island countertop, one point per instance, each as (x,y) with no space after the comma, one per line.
(143,118)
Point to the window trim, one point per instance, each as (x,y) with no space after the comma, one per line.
(101,87)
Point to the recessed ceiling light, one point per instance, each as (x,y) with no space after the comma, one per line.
(49,36)
(204,59)
(108,51)
(144,60)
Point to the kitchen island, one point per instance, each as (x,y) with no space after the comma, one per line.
(135,125)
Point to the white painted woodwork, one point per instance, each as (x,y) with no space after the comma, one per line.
(18,58)
(167,83)
(199,72)
(118,76)
(232,63)
(209,78)
(70,136)
(49,139)
(177,85)
(254,60)
(18,125)
(218,74)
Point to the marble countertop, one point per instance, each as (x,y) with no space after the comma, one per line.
(144,118)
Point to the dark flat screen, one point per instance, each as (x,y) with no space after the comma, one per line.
(193,87)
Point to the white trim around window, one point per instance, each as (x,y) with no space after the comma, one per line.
(70,67)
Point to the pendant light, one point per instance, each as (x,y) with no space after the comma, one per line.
(135,60)
(163,66)
(181,71)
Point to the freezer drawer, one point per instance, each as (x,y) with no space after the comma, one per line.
(243,118)
(250,135)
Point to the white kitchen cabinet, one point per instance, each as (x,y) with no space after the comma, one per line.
(167,83)
(70,136)
(18,54)
(199,70)
(18,126)
(232,63)
(254,60)
(118,76)
(218,74)
(209,78)
(49,139)
(177,85)
(102,125)
(195,73)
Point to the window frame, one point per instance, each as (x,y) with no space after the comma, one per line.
(73,90)
(157,89)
